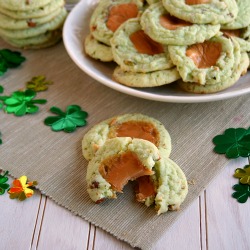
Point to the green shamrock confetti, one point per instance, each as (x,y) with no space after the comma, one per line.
(38,83)
(9,59)
(243,174)
(234,143)
(242,192)
(1,89)
(21,103)
(3,185)
(67,121)
(1,142)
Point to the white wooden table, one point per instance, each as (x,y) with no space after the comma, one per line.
(214,221)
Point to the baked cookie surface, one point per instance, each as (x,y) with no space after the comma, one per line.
(22,4)
(128,125)
(166,29)
(118,161)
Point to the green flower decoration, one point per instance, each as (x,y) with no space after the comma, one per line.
(9,59)
(234,143)
(67,121)
(3,185)
(243,174)
(38,83)
(21,103)
(242,192)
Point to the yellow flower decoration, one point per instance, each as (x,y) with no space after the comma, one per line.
(21,188)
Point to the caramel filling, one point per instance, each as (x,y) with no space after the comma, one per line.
(204,54)
(172,23)
(145,188)
(118,14)
(144,44)
(137,129)
(230,33)
(194,2)
(119,169)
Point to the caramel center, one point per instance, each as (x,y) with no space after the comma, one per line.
(172,23)
(144,188)
(194,2)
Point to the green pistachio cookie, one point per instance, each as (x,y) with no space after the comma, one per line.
(152,1)
(19,24)
(166,189)
(143,80)
(116,162)
(243,18)
(23,5)
(97,50)
(54,24)
(209,62)
(109,15)
(210,11)
(34,13)
(128,125)
(166,29)
(134,51)
(240,68)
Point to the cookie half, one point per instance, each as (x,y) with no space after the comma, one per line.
(164,28)
(118,161)
(128,125)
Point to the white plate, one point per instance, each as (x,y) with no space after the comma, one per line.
(75,30)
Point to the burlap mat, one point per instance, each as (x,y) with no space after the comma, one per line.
(55,160)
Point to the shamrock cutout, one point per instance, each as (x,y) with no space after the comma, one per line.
(1,138)
(242,192)
(67,121)
(1,89)
(22,189)
(233,143)
(21,102)
(9,59)
(38,83)
(243,174)
(3,185)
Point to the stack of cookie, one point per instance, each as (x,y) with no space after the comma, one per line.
(32,24)
(133,147)
(204,44)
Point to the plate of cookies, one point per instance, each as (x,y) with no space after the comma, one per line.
(181,51)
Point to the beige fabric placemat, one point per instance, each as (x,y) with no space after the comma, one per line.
(55,160)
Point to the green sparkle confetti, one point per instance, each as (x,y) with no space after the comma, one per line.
(242,192)
(38,83)
(234,143)
(67,121)
(21,103)
(3,185)
(9,59)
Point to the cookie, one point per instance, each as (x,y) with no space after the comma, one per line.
(34,13)
(128,125)
(109,15)
(10,23)
(213,12)
(22,5)
(119,160)
(166,189)
(134,51)
(97,50)
(152,1)
(54,24)
(209,62)
(167,29)
(243,18)
(145,80)
(239,69)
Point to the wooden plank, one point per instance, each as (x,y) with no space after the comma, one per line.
(61,229)
(188,226)
(18,220)
(227,220)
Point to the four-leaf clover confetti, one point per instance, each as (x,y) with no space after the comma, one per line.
(38,83)
(21,103)
(22,189)
(242,192)
(9,59)
(243,174)
(233,143)
(3,185)
(67,121)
